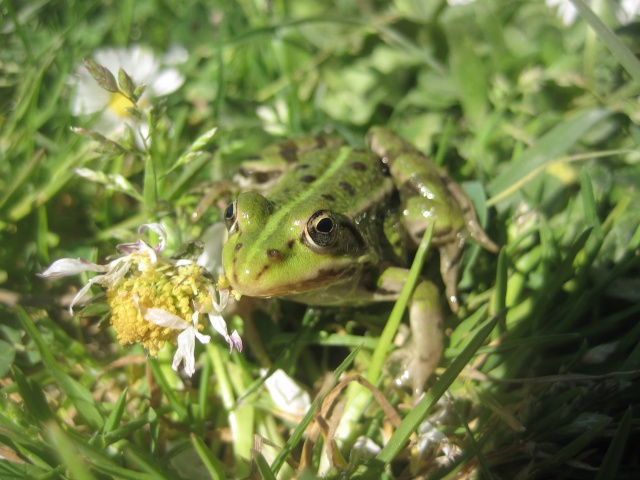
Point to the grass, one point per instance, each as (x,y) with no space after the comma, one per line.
(539,119)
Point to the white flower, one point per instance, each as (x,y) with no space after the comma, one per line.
(143,67)
(152,298)
(115,270)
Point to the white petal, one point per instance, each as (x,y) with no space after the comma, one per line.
(213,239)
(162,318)
(117,270)
(88,96)
(139,247)
(168,81)
(142,63)
(176,55)
(286,393)
(109,124)
(159,230)
(202,338)
(186,352)
(84,290)
(71,266)
(110,58)
(627,11)
(220,326)
(236,341)
(224,299)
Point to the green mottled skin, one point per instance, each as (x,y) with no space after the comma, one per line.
(327,224)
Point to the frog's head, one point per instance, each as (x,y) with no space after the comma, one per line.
(284,251)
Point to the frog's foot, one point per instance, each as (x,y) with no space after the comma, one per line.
(474,229)
(450,255)
(419,358)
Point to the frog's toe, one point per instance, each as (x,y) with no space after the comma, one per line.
(411,367)
(450,255)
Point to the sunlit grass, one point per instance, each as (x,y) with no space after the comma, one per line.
(538,120)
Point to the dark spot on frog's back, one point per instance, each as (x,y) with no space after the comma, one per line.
(361,167)
(347,187)
(307,178)
(291,243)
(289,151)
(302,166)
(328,196)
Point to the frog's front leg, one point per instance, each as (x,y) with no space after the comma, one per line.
(419,358)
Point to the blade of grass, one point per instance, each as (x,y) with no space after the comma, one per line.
(167,389)
(32,395)
(113,421)
(263,467)
(576,446)
(74,463)
(391,327)
(611,462)
(241,444)
(620,51)
(412,421)
(212,464)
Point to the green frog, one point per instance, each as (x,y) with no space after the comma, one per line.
(326,224)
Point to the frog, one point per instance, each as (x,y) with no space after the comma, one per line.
(323,223)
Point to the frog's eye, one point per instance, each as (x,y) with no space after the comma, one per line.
(230,214)
(321,229)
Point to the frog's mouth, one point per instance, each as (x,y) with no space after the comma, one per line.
(267,281)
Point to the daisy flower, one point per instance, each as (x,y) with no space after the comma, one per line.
(153,299)
(158,75)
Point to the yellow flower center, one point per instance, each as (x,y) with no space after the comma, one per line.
(177,290)
(118,104)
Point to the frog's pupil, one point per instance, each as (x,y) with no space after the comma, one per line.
(325,225)
(228,213)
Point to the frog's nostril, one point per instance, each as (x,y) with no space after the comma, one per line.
(274,254)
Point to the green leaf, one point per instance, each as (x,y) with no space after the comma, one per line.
(101,75)
(115,416)
(127,85)
(32,395)
(214,466)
